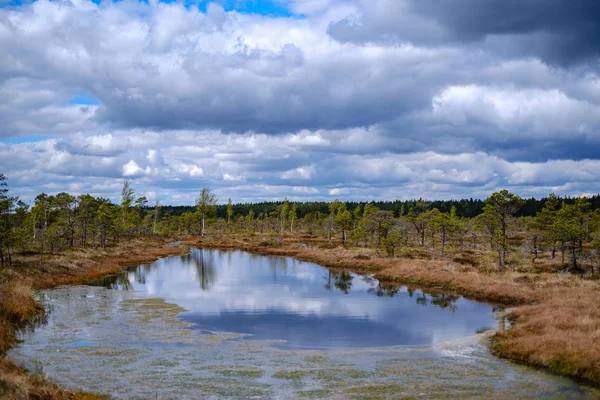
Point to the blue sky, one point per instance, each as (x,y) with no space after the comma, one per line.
(85,99)
(24,139)
(304,99)
(261,7)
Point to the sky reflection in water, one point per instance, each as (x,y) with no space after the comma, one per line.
(302,304)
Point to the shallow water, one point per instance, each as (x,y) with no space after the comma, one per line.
(302,304)
(236,325)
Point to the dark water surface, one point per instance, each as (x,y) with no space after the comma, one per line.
(302,304)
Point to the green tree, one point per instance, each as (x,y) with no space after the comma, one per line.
(66,206)
(250,219)
(544,221)
(86,209)
(334,208)
(500,207)
(445,225)
(206,206)
(229,210)
(488,222)
(42,212)
(282,215)
(419,218)
(187,221)
(344,221)
(136,218)
(127,197)
(569,230)
(392,243)
(583,208)
(105,220)
(595,245)
(155,216)
(21,223)
(6,233)
(378,223)
(356,214)
(293,215)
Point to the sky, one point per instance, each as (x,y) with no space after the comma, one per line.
(300,99)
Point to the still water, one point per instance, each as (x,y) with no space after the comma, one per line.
(301,304)
(220,325)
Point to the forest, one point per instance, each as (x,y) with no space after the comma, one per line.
(560,234)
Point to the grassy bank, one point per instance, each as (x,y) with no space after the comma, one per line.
(556,319)
(17,303)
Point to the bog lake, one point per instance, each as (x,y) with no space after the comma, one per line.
(222,324)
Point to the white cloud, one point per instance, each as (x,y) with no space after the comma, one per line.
(541,112)
(233,178)
(263,108)
(305,189)
(133,169)
(302,173)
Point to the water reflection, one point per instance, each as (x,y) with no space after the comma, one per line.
(118,282)
(205,267)
(383,289)
(302,304)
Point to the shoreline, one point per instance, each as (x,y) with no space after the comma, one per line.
(529,295)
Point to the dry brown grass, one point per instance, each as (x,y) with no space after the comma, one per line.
(16,384)
(16,306)
(561,332)
(556,324)
(17,303)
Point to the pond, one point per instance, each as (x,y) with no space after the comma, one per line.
(301,304)
(218,324)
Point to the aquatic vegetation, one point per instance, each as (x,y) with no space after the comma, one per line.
(316,359)
(243,372)
(291,375)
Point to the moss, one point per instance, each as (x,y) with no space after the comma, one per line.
(315,394)
(316,359)
(378,392)
(163,363)
(356,373)
(244,372)
(291,375)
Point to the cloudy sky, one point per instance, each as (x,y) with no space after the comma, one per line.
(304,99)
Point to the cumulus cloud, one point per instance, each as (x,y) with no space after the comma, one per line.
(133,169)
(348,98)
(305,173)
(558,31)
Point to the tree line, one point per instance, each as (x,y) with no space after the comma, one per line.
(467,208)
(566,229)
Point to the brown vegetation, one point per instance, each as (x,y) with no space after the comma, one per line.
(556,320)
(17,303)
